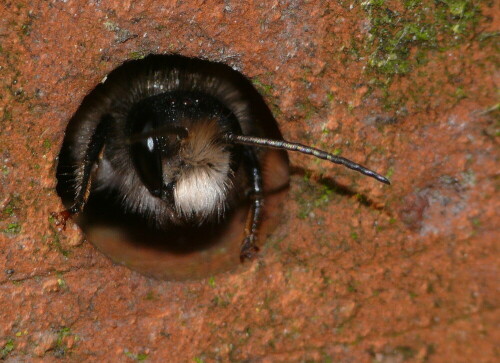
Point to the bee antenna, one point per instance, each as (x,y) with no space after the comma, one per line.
(293,146)
(180,131)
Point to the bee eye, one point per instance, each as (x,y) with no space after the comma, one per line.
(146,156)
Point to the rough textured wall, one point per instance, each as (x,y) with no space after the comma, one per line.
(356,271)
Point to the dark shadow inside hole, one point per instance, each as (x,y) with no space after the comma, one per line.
(104,208)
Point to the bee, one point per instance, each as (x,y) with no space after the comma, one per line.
(179,143)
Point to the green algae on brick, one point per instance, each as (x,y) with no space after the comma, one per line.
(263,88)
(12,206)
(423,25)
(137,357)
(12,228)
(7,348)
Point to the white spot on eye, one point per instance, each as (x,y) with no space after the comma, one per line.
(151,144)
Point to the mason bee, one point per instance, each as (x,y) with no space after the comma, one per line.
(177,141)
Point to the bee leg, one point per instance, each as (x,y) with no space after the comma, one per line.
(84,173)
(249,248)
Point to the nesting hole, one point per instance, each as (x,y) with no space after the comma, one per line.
(174,253)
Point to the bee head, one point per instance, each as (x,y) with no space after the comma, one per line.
(183,158)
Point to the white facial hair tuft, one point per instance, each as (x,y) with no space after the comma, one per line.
(204,180)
